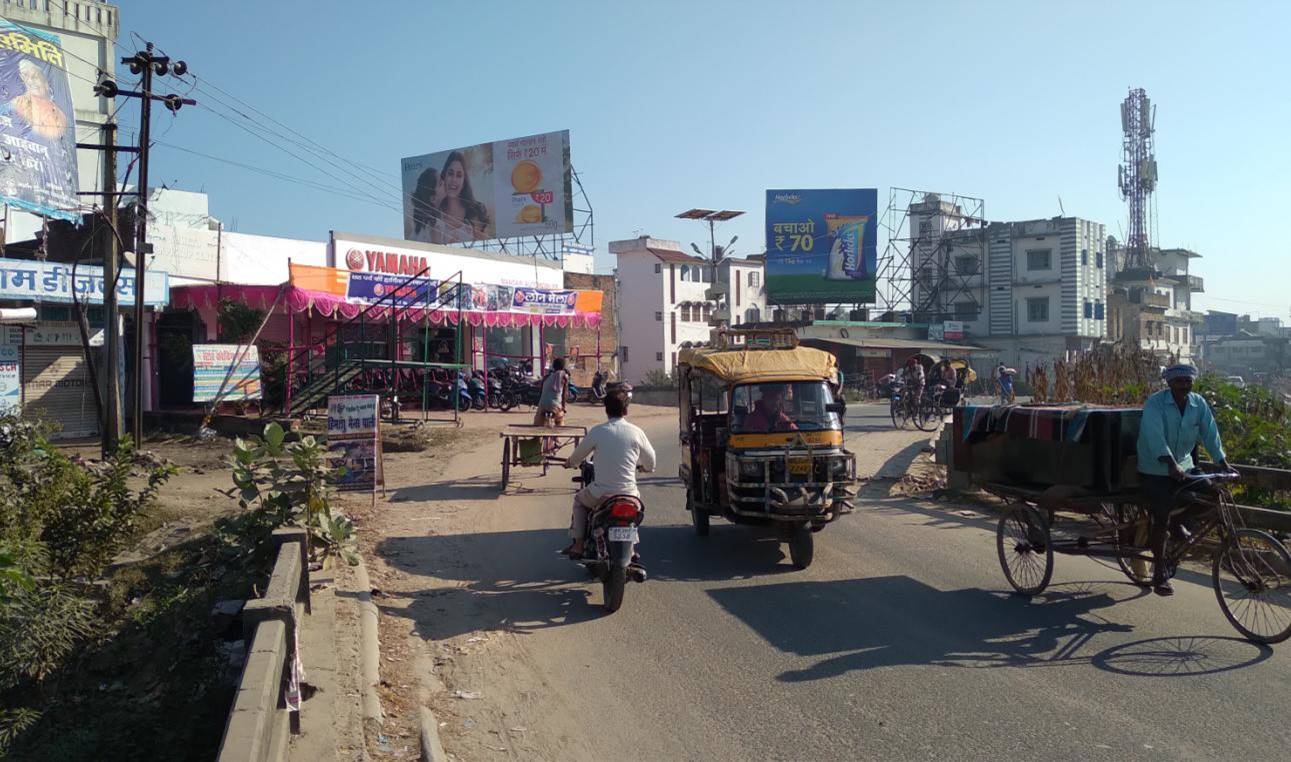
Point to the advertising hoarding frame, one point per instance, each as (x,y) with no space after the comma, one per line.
(37,129)
(503,189)
(821,245)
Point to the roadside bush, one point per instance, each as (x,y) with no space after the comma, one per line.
(278,483)
(61,523)
(657,378)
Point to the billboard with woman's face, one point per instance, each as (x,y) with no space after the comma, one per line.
(503,189)
(37,125)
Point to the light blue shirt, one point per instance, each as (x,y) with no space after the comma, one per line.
(1166,432)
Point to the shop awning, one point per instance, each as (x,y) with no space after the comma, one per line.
(586,310)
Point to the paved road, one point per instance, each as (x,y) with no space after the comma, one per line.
(900,641)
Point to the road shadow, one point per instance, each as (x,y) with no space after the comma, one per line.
(483,487)
(863,624)
(1181,656)
(898,464)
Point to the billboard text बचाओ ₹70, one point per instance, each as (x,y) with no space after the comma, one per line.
(503,189)
(821,246)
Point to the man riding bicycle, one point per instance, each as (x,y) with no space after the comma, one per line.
(1175,420)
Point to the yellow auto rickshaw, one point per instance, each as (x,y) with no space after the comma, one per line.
(762,437)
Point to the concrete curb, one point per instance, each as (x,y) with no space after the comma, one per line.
(431,749)
(369,647)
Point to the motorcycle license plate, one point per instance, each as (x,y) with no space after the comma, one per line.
(800,466)
(623,534)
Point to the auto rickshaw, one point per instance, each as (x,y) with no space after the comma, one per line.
(762,437)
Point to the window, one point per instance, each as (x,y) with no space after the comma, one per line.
(1040,259)
(1098,310)
(685,313)
(753,279)
(658,268)
(966,311)
(1038,308)
(1089,309)
(1098,259)
(1084,256)
(658,317)
(658,356)
(623,353)
(966,265)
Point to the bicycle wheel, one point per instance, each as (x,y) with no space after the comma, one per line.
(898,413)
(926,416)
(1252,578)
(1026,555)
(1131,539)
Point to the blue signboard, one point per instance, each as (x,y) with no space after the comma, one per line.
(821,246)
(369,287)
(37,124)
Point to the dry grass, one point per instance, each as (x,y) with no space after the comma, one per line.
(1117,374)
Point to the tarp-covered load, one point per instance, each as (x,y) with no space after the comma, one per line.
(744,365)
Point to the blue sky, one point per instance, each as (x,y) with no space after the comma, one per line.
(679,104)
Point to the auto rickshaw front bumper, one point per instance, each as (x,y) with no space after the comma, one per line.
(764,485)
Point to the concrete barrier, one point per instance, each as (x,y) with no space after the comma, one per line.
(664,396)
(261,721)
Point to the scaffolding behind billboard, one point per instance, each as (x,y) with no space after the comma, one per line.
(933,265)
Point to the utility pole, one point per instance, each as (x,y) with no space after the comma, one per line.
(146,64)
(112,319)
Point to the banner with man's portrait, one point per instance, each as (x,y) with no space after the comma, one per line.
(37,124)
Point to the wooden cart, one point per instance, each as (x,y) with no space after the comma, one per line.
(1250,568)
(536,446)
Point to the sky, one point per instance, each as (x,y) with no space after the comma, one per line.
(674,105)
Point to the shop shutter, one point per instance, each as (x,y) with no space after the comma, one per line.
(56,387)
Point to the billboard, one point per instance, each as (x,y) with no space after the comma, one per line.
(821,246)
(37,125)
(502,189)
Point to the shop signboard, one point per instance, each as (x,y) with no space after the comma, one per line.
(821,246)
(354,439)
(35,280)
(211,372)
(10,380)
(502,189)
(544,301)
(936,332)
(37,125)
(953,330)
(370,287)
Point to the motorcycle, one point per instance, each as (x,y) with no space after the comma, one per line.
(609,547)
(479,399)
(596,392)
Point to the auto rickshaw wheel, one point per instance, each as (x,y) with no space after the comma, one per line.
(698,515)
(802,547)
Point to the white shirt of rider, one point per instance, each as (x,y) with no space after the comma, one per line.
(620,449)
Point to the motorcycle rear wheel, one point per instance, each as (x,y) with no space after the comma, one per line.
(613,585)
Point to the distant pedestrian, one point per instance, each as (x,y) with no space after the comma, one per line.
(1004,377)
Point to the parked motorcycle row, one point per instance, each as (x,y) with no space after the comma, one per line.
(504,387)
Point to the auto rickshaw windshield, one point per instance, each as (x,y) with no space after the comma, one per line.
(784,406)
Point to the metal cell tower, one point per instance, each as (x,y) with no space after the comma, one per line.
(1137,177)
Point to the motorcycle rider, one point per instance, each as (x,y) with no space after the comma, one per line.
(621,449)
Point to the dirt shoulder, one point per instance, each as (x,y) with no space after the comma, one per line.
(434,497)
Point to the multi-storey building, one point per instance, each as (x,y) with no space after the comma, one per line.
(1031,290)
(1152,307)
(662,304)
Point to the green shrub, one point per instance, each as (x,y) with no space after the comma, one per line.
(278,482)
